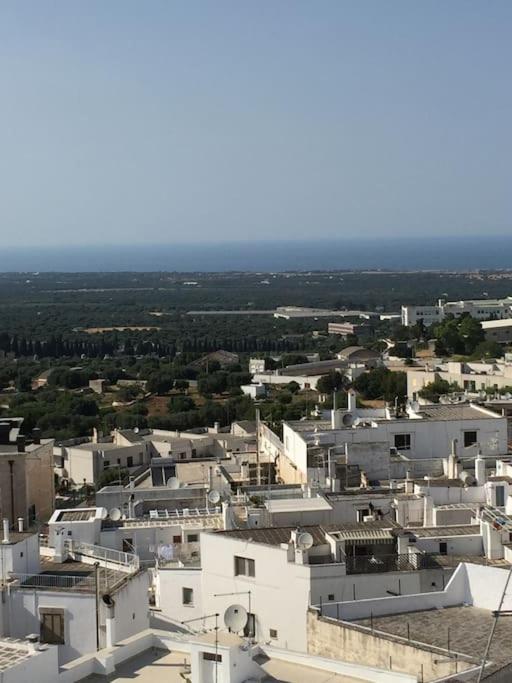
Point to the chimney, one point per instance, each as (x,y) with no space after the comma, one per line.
(20,524)
(6,538)
(20,443)
(352,404)
(36,435)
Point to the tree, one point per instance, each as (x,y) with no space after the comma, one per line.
(434,390)
(329,383)
(381,383)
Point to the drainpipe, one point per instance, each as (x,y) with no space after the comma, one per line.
(11,467)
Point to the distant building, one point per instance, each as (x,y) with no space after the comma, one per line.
(254,390)
(345,329)
(498,330)
(480,309)
(98,385)
(26,475)
(257,365)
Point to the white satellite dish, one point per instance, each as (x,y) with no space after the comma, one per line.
(415,406)
(173,483)
(114,514)
(103,513)
(304,540)
(213,497)
(348,420)
(235,618)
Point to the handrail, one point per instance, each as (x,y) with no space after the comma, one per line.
(51,581)
(128,560)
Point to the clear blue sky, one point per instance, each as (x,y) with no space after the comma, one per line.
(149,121)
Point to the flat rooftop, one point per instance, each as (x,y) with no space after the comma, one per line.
(12,652)
(151,666)
(462,630)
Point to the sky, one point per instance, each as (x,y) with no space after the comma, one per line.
(196,121)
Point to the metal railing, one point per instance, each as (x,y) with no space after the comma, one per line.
(375,564)
(51,581)
(126,561)
(184,512)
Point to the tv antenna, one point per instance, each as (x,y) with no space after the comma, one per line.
(248,611)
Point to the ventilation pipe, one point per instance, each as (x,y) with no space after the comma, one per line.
(352,402)
(5,523)
(480,468)
(428,510)
(20,524)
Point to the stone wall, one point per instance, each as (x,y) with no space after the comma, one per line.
(349,642)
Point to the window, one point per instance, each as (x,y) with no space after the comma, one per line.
(403,442)
(212,657)
(128,545)
(469,439)
(187,596)
(176,539)
(330,596)
(500,496)
(129,461)
(443,548)
(52,626)
(273,633)
(244,566)
(193,538)
(106,464)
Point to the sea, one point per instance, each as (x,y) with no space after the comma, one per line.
(461,253)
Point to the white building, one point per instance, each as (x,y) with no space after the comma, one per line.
(321,451)
(266,571)
(56,597)
(255,390)
(470,376)
(480,309)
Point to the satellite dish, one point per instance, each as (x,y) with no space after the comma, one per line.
(356,422)
(115,514)
(173,483)
(235,618)
(213,497)
(304,540)
(348,420)
(103,513)
(415,406)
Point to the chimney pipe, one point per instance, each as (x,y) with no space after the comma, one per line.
(20,524)
(20,443)
(36,436)
(5,523)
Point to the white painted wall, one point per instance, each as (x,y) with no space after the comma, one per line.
(79,618)
(169,584)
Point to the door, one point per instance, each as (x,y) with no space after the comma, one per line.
(443,548)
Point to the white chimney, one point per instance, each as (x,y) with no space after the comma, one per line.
(480,469)
(20,524)
(352,403)
(5,523)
